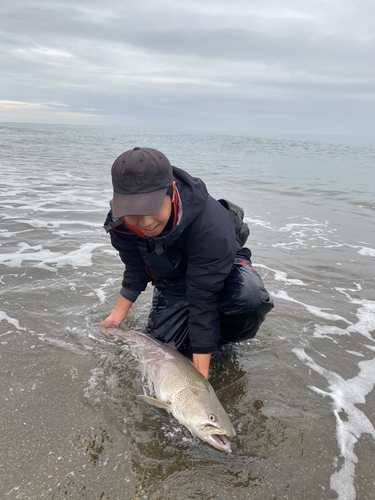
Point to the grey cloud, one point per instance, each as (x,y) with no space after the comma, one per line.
(297,43)
(44,22)
(192,59)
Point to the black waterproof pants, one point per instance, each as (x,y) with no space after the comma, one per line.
(244,303)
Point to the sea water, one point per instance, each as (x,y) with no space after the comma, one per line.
(300,395)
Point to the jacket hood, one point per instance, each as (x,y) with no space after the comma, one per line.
(192,197)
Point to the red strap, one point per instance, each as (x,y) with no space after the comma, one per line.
(175,208)
(135,229)
(149,273)
(246,264)
(122,232)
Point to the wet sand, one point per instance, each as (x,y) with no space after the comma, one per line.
(58,443)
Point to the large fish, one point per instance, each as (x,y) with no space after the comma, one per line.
(179,388)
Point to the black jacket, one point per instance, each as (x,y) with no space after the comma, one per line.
(201,247)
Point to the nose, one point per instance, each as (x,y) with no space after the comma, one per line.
(146,221)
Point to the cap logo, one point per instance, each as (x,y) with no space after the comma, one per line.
(132,180)
(129,178)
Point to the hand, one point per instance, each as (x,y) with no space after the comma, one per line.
(117,315)
(108,323)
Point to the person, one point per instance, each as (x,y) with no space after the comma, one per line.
(170,231)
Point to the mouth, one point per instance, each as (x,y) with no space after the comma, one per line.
(151,230)
(219,441)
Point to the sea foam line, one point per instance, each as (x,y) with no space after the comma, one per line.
(316,311)
(366,251)
(345,394)
(81,257)
(281,276)
(364,325)
(54,224)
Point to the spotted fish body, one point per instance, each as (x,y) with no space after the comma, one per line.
(179,388)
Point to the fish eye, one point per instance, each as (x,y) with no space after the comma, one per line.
(212,417)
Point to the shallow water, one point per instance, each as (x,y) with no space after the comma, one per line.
(300,395)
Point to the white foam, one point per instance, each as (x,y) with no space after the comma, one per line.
(367,251)
(345,394)
(81,257)
(4,233)
(281,276)
(110,251)
(316,311)
(303,234)
(258,222)
(99,292)
(365,315)
(292,226)
(12,321)
(101,295)
(55,224)
(364,250)
(355,353)
(289,245)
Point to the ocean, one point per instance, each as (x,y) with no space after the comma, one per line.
(300,395)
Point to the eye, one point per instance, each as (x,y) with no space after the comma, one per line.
(212,417)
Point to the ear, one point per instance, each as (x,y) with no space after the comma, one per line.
(174,191)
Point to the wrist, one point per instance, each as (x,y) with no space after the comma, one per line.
(116,317)
(120,310)
(202,363)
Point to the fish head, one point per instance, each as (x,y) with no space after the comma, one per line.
(202,413)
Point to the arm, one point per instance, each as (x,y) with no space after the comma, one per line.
(126,242)
(211,249)
(202,363)
(135,276)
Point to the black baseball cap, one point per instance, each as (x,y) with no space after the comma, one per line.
(140,178)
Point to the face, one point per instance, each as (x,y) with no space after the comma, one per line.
(153,225)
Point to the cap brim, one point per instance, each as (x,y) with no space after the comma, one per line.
(138,204)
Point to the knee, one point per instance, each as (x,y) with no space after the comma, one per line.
(244,292)
(244,304)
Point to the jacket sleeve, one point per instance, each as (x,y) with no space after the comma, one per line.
(135,275)
(211,249)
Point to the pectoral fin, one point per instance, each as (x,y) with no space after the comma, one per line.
(156,402)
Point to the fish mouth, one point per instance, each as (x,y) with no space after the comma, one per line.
(220,442)
(217,436)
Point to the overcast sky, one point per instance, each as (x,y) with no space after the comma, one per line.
(234,65)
